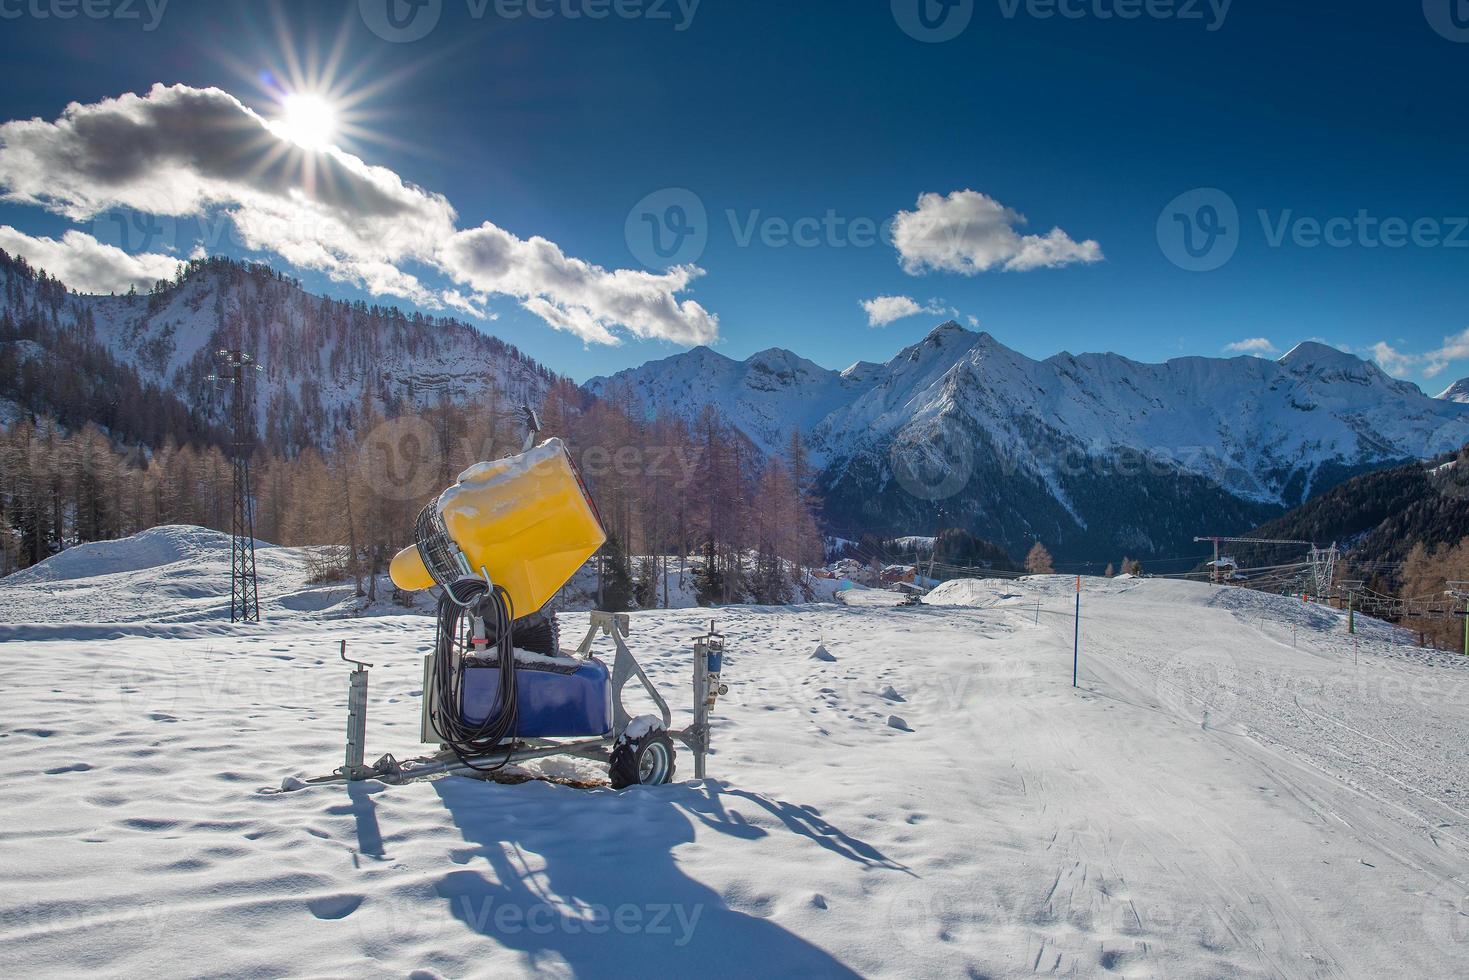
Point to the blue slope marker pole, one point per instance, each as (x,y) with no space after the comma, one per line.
(1076,650)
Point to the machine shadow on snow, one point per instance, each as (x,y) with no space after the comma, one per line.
(805,821)
(363,809)
(679,921)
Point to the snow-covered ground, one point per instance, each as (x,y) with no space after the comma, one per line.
(1236,789)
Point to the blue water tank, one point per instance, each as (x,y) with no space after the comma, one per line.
(557,699)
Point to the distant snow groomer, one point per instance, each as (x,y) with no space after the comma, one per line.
(499,544)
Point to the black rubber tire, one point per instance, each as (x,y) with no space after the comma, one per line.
(628,759)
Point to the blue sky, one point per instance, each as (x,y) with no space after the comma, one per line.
(1124,134)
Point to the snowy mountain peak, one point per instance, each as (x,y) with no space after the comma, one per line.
(1456,392)
(950,331)
(1310,356)
(861,370)
(778,360)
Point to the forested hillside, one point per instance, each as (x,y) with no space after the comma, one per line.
(142,366)
(1379,517)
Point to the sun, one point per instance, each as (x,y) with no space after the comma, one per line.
(308,120)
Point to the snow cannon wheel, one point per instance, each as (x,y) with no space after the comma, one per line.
(647,760)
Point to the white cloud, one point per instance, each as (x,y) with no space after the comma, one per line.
(573,295)
(181,151)
(1430,364)
(1252,345)
(1393,361)
(974,321)
(1455,348)
(882,310)
(472,305)
(87,265)
(969,233)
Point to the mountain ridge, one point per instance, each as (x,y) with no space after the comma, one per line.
(1048,447)
(1093,454)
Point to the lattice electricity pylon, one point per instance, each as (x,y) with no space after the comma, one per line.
(1323,570)
(244,587)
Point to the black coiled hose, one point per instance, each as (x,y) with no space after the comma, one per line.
(473,598)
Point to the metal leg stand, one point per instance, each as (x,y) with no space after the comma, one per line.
(356,718)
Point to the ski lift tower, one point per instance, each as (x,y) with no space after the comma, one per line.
(1460,591)
(235,367)
(1323,570)
(1218,540)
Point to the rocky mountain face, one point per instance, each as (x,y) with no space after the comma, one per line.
(319,359)
(1093,454)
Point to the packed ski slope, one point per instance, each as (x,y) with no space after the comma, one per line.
(1234,790)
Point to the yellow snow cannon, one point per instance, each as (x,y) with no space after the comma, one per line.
(526,523)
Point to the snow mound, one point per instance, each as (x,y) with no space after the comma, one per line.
(822,653)
(152,548)
(969,592)
(166,577)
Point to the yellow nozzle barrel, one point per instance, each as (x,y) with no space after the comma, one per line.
(408,571)
(526,521)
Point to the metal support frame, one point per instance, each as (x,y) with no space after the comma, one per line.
(1460,591)
(707,689)
(352,767)
(625,667)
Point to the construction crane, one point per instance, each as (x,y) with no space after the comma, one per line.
(1321,560)
(1223,540)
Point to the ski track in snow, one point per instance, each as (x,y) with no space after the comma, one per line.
(1227,794)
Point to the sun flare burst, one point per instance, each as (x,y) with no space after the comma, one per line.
(308,120)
